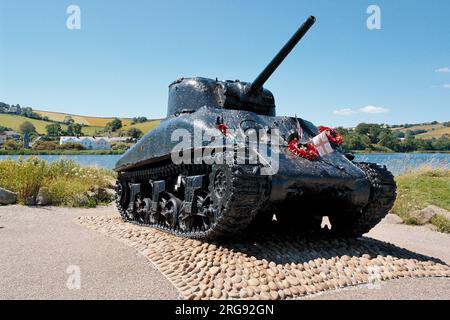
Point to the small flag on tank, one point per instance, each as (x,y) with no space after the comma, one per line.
(322,144)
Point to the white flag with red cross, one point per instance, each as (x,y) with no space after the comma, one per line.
(322,144)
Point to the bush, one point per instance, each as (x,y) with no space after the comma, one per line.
(45,145)
(12,145)
(120,146)
(72,146)
(66,182)
(441,223)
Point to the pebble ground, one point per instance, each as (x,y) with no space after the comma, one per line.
(268,267)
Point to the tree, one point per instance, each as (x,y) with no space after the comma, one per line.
(74,129)
(54,130)
(138,120)
(27,127)
(68,120)
(114,125)
(399,134)
(135,133)
(388,140)
(409,144)
(370,130)
(356,142)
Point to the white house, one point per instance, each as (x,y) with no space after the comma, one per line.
(90,143)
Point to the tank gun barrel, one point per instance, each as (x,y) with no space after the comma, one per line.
(258,83)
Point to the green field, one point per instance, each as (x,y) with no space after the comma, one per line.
(14,122)
(86,120)
(98,123)
(432,130)
(144,126)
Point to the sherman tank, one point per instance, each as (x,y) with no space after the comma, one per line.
(222,161)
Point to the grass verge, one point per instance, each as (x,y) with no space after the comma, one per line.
(418,189)
(63,182)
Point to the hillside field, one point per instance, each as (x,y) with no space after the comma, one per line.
(433,130)
(89,121)
(93,125)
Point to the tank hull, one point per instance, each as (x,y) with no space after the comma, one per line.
(331,182)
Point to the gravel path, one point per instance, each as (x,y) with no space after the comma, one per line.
(38,245)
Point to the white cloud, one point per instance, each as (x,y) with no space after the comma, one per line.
(373,109)
(367,109)
(344,112)
(445,69)
(447,86)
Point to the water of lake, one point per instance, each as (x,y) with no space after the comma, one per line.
(397,163)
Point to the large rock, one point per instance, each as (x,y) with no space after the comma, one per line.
(42,198)
(392,219)
(424,216)
(30,201)
(7,197)
(103,194)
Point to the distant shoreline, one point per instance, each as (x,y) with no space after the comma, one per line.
(59,152)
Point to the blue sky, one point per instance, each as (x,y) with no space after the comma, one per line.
(127,52)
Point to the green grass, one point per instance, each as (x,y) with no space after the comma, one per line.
(144,126)
(432,130)
(90,121)
(416,190)
(65,182)
(442,224)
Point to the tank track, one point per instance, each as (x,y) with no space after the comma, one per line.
(381,200)
(246,194)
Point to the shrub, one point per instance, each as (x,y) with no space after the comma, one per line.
(12,145)
(441,223)
(72,146)
(45,145)
(120,146)
(66,182)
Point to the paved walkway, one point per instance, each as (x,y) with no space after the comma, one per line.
(38,245)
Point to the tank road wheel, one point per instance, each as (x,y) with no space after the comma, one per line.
(202,216)
(205,210)
(220,187)
(143,209)
(381,200)
(170,208)
(122,198)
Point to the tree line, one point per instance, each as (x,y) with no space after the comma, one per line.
(381,138)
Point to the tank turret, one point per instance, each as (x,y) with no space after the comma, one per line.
(189,94)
